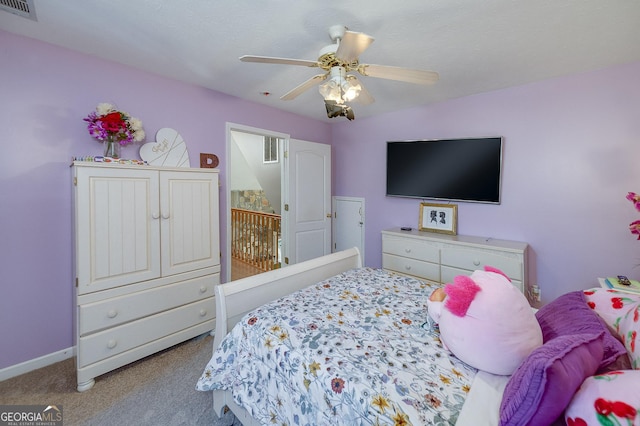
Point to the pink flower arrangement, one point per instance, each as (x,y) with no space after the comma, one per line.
(634,226)
(108,124)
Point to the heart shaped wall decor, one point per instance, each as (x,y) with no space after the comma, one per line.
(169,149)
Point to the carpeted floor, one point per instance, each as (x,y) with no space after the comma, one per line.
(157,390)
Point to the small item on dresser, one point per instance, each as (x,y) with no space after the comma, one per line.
(208,161)
(405,228)
(169,149)
(624,280)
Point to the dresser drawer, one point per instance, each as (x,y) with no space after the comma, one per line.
(119,310)
(478,259)
(411,248)
(426,270)
(448,274)
(107,343)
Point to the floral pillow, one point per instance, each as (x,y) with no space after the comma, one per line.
(611,305)
(629,328)
(621,312)
(606,399)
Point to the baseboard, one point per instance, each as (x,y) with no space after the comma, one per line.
(34,364)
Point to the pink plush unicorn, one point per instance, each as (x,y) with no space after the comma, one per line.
(485,321)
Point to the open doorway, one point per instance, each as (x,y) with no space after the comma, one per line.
(254,195)
(302,204)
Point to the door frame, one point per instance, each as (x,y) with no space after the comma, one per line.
(240,128)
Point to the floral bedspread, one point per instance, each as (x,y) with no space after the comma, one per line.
(352,350)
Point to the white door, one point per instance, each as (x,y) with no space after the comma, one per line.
(307,201)
(348,223)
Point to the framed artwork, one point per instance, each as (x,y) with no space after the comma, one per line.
(442,218)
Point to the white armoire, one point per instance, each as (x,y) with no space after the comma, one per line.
(147,258)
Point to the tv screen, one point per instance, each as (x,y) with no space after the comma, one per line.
(446,169)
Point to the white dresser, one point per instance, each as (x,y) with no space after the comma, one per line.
(439,258)
(147,258)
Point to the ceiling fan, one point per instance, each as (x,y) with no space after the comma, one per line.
(338,61)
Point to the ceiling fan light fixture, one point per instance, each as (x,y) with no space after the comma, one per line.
(340,87)
(331,91)
(351,89)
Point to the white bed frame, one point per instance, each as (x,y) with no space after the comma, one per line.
(234,299)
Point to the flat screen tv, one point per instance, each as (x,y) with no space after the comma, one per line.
(446,169)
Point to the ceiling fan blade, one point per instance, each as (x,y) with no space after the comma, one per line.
(365,97)
(408,75)
(352,45)
(282,61)
(295,92)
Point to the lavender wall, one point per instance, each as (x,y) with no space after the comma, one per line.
(570,151)
(45,91)
(569,159)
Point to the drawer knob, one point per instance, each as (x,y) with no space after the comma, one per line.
(476,262)
(112,313)
(155,215)
(203,312)
(407,250)
(112,344)
(203,289)
(407,267)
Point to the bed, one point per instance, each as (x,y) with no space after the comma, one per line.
(329,342)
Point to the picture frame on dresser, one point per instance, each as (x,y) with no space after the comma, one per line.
(441,218)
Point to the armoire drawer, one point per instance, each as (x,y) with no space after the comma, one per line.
(478,259)
(407,247)
(426,270)
(107,343)
(119,310)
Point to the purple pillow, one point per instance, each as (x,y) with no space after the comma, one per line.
(542,386)
(569,314)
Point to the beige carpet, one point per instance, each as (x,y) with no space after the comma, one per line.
(157,390)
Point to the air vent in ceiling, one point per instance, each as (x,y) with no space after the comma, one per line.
(22,8)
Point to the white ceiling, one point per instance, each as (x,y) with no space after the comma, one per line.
(475,46)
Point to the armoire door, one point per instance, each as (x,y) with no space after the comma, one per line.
(117,223)
(188,212)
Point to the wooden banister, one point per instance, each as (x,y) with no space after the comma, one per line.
(255,238)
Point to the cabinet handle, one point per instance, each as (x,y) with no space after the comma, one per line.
(165,216)
(203,289)
(112,344)
(112,313)
(155,215)
(203,312)
(476,262)
(407,267)
(407,250)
